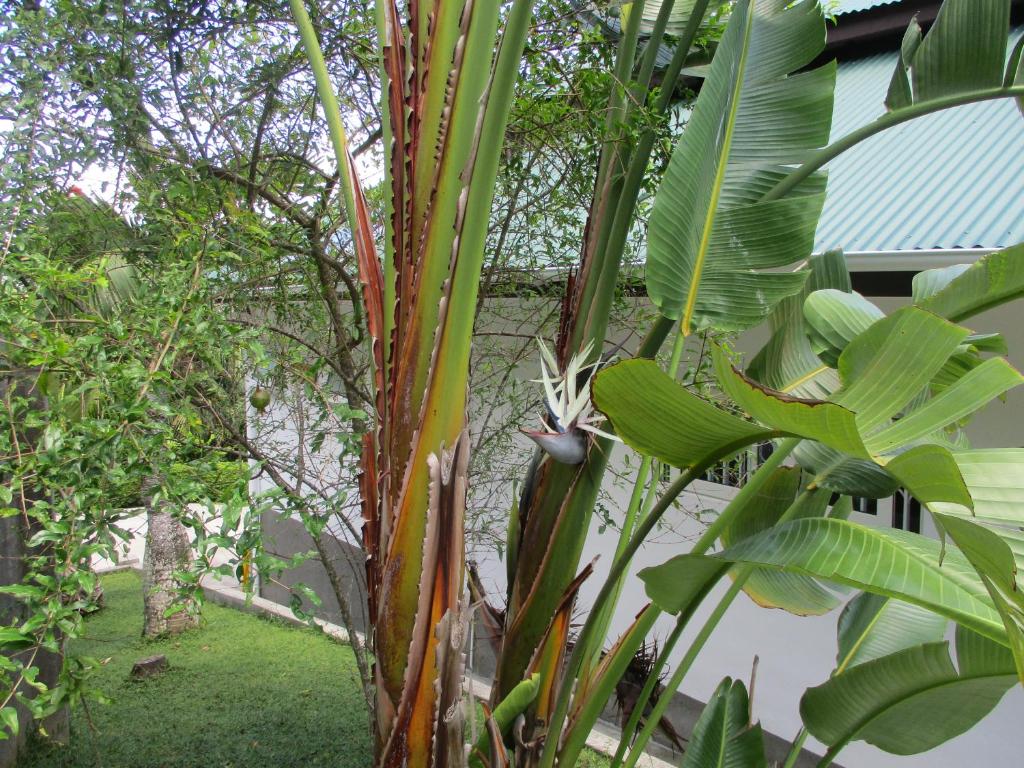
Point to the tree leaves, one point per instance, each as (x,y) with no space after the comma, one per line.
(964,50)
(770,588)
(992,280)
(653,414)
(872,626)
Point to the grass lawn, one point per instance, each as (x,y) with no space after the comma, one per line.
(239,691)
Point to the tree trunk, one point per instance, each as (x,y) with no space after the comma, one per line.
(12,571)
(167,550)
(15,531)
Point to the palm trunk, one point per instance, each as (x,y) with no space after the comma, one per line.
(168,550)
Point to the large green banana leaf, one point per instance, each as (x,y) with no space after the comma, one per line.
(996,563)
(906,566)
(972,497)
(872,626)
(843,473)
(709,236)
(965,50)
(834,319)
(658,417)
(958,401)
(875,389)
(879,417)
(958,293)
(912,700)
(724,737)
(995,479)
(788,363)
(885,367)
(768,587)
(883,372)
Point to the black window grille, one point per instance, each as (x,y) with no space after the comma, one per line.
(906,512)
(865,506)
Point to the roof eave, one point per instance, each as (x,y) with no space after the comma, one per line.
(912,261)
(863,33)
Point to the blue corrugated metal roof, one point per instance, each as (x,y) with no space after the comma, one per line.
(954,179)
(852,6)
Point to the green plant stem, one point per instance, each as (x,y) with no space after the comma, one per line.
(504,716)
(638,502)
(627,733)
(619,568)
(325,90)
(635,499)
(684,43)
(611,241)
(650,59)
(617,104)
(606,190)
(691,654)
(752,488)
(801,737)
(655,337)
(384,105)
(831,755)
(677,352)
(794,751)
(648,690)
(739,581)
(886,121)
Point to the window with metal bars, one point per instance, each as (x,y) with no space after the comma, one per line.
(906,512)
(735,472)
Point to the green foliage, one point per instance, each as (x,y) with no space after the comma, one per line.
(108,363)
(111,382)
(872,626)
(215,479)
(964,50)
(724,735)
(910,567)
(879,401)
(793,592)
(913,699)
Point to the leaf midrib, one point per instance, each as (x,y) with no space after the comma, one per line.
(885,708)
(983,625)
(716,191)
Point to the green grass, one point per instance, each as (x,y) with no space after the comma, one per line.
(239,691)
